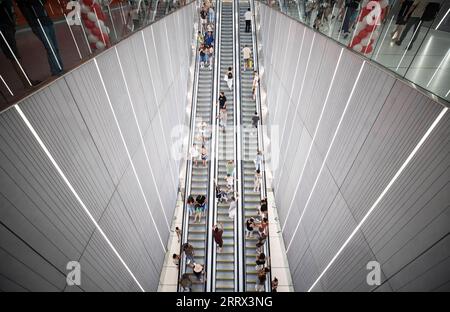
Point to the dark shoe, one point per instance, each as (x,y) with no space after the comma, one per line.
(399,43)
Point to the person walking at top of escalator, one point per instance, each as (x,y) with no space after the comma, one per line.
(41,25)
(401,18)
(209,38)
(229,78)
(248,20)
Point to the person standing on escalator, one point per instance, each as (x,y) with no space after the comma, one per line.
(248,20)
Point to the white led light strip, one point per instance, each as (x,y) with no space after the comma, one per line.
(142,139)
(69,185)
(6,85)
(326,155)
(312,142)
(407,161)
(128,154)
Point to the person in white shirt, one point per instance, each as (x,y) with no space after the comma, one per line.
(247,53)
(248,20)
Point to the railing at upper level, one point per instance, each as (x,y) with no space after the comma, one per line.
(42,39)
(410,38)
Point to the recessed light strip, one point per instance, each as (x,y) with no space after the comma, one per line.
(6,85)
(407,161)
(69,185)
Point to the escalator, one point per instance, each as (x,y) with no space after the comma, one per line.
(198,176)
(250,145)
(225,273)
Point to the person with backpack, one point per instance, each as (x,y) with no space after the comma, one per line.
(419,12)
(186,283)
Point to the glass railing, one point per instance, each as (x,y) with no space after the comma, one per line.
(410,38)
(42,39)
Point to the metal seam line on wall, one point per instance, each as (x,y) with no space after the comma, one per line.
(312,142)
(69,185)
(407,161)
(326,155)
(129,156)
(296,110)
(142,138)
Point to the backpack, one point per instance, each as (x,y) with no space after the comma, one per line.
(431,10)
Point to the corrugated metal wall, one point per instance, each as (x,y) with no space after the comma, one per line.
(43,226)
(320,203)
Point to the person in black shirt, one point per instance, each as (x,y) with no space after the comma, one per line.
(42,26)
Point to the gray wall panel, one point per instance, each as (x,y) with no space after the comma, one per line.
(407,232)
(48,226)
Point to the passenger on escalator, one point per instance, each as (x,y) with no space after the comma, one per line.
(218,233)
(198,213)
(203,56)
(255,120)
(198,271)
(221,195)
(210,51)
(261,241)
(195,155)
(223,102)
(257,181)
(202,201)
(249,227)
(230,183)
(248,20)
(176,259)
(178,232)
(211,15)
(232,208)
(230,168)
(247,54)
(255,84)
(261,279)
(274,284)
(263,227)
(188,250)
(260,261)
(229,78)
(209,38)
(258,160)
